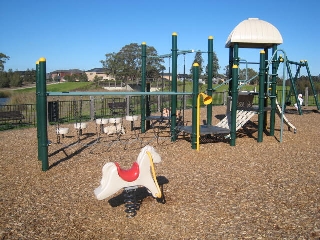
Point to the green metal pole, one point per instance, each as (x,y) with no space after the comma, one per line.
(265,120)
(234,94)
(230,69)
(148,110)
(312,86)
(235,61)
(174,86)
(293,87)
(261,95)
(273,96)
(236,58)
(195,79)
(42,113)
(143,86)
(37,107)
(210,75)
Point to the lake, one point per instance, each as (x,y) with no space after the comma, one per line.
(3,101)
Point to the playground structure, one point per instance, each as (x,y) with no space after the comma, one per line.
(142,173)
(236,40)
(250,34)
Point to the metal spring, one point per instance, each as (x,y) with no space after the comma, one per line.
(130,201)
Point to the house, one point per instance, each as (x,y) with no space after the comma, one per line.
(100,72)
(60,74)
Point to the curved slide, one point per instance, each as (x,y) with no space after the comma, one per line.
(286,121)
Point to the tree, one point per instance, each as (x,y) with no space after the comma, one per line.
(97,80)
(15,79)
(29,76)
(4,80)
(3,59)
(249,73)
(110,64)
(215,64)
(154,63)
(197,59)
(126,64)
(69,78)
(83,77)
(245,74)
(226,71)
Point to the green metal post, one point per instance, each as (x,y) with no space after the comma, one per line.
(174,86)
(143,86)
(195,79)
(42,113)
(261,95)
(230,69)
(234,104)
(236,58)
(266,88)
(37,107)
(273,96)
(235,61)
(312,86)
(148,110)
(293,86)
(210,75)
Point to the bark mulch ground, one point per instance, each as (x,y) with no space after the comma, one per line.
(266,190)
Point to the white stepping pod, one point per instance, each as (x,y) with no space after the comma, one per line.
(62,131)
(102,120)
(80,125)
(114,120)
(132,118)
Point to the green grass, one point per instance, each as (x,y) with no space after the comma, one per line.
(61,87)
(5,94)
(27,95)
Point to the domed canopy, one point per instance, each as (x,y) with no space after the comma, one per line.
(254,33)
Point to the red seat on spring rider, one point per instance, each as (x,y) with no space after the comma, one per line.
(129,175)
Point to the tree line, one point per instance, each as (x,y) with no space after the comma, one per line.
(125,66)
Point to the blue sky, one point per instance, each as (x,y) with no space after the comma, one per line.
(78,33)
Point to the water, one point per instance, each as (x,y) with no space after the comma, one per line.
(3,101)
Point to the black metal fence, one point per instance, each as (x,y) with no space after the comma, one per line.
(89,108)
(12,116)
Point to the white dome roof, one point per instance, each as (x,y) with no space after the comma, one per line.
(254,33)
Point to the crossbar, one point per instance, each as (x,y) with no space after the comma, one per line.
(115,93)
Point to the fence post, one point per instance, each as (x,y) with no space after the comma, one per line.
(225,97)
(92,108)
(128,106)
(158,103)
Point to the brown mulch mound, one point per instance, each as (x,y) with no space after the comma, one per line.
(267,190)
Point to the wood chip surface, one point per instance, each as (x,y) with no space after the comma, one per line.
(266,190)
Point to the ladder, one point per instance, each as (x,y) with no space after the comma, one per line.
(243,117)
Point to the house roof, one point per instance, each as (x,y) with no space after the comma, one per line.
(68,71)
(99,70)
(254,33)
